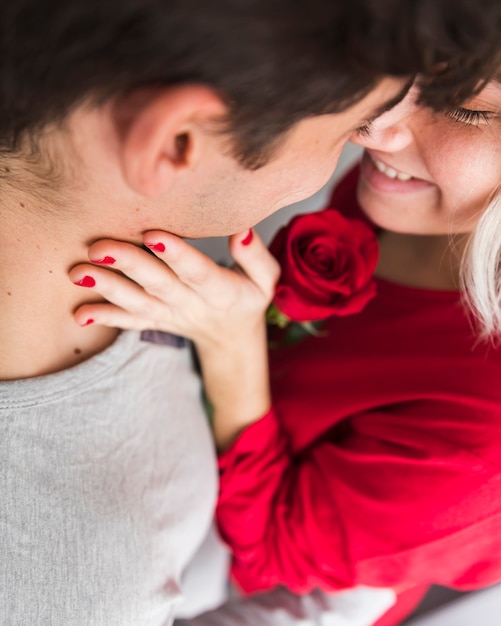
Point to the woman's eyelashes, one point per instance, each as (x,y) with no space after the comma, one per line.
(365,130)
(468,116)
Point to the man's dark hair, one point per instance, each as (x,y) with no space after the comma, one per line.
(273,61)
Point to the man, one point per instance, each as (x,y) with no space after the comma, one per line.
(194,117)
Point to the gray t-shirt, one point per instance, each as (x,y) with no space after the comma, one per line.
(107,487)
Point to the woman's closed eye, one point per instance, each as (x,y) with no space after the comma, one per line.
(469,116)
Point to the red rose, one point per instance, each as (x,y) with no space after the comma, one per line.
(327,264)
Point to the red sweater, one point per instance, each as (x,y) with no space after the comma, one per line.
(379,463)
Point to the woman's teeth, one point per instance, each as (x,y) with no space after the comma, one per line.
(390,172)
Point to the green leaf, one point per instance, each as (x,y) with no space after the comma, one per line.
(275,317)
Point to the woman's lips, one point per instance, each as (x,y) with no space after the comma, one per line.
(383,178)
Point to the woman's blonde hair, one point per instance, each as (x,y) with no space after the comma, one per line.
(481,271)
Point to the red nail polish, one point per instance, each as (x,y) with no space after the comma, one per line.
(158,247)
(86,281)
(89,321)
(106,260)
(248,238)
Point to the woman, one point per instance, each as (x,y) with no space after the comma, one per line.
(373,456)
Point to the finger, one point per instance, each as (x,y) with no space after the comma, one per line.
(122,292)
(107,251)
(145,269)
(256,261)
(193,268)
(109,315)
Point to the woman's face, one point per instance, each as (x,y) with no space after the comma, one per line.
(432,173)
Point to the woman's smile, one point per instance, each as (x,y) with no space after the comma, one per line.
(384,178)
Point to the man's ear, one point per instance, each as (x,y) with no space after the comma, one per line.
(162,132)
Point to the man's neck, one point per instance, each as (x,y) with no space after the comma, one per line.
(37,332)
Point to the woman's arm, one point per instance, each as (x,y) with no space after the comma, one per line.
(385,504)
(184,292)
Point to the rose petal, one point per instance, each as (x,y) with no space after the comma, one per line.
(327,264)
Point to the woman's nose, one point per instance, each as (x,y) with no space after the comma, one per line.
(391,131)
(387,138)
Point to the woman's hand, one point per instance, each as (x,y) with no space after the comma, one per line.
(180,290)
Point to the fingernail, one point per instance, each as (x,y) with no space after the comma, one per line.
(248,238)
(158,247)
(89,321)
(86,281)
(106,260)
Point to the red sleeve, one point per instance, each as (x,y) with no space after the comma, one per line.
(375,504)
